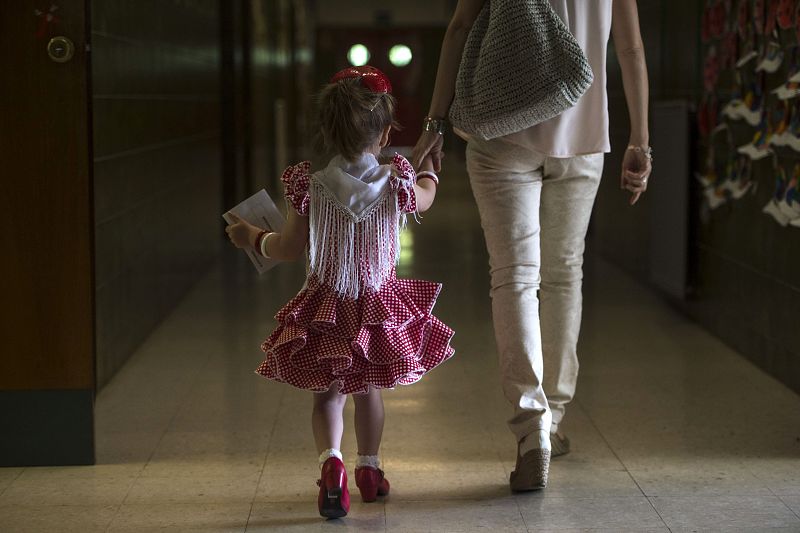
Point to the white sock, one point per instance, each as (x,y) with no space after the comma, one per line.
(327,454)
(537,439)
(372,461)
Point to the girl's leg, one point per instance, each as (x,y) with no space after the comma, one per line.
(369,430)
(326,419)
(369,421)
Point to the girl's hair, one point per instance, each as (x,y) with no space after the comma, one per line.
(352,117)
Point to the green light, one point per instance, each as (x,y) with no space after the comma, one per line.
(358,55)
(406,259)
(400,55)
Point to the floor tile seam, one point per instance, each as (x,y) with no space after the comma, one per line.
(383,511)
(249,516)
(518,497)
(221,478)
(124,498)
(660,517)
(795,513)
(739,497)
(522,515)
(111,518)
(2,492)
(281,402)
(160,440)
(181,403)
(605,440)
(199,501)
(755,475)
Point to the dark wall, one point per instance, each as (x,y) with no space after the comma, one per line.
(669,30)
(743,285)
(280,88)
(156,114)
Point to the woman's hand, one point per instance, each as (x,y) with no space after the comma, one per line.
(637,164)
(429,143)
(241,233)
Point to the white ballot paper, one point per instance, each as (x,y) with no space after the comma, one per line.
(259,210)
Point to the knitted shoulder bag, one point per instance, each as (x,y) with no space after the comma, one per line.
(520,66)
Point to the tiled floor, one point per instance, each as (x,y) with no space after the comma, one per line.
(671,430)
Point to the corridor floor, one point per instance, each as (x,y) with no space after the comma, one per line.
(671,430)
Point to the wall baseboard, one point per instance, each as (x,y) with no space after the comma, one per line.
(47,427)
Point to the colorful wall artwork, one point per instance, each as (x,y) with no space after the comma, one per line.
(750,110)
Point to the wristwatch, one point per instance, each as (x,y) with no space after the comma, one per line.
(433,124)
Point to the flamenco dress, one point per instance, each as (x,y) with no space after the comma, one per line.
(354,323)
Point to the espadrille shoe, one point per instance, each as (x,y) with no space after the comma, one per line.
(559,445)
(531,470)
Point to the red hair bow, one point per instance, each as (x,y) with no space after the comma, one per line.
(375,80)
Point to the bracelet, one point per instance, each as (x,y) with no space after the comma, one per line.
(433,124)
(428,174)
(646,150)
(257,244)
(263,245)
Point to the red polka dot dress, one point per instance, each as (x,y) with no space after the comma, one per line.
(354,323)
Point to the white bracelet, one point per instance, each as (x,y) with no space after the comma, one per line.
(428,173)
(646,150)
(264,244)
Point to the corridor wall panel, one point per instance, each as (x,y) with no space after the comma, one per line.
(156,101)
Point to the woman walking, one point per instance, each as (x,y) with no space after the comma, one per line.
(535,190)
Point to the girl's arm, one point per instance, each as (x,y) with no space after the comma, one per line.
(464,16)
(288,245)
(425,187)
(636,165)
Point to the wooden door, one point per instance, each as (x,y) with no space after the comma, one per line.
(46,236)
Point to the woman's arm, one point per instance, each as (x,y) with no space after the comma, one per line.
(636,165)
(288,245)
(460,25)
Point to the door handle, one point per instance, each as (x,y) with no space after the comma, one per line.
(60,49)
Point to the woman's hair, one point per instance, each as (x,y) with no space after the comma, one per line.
(352,117)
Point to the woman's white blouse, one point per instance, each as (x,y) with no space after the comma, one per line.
(582,129)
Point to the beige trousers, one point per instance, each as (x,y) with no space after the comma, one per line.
(534,212)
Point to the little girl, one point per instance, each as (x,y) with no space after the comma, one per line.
(354,328)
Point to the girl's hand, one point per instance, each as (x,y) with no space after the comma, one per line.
(241,233)
(429,144)
(637,164)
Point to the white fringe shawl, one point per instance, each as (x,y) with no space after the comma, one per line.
(352,252)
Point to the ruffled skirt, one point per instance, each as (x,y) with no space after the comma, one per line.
(381,339)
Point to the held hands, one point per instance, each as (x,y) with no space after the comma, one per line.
(241,233)
(637,164)
(429,144)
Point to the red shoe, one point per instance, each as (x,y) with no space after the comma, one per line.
(371,483)
(334,498)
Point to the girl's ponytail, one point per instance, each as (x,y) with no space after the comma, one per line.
(352,116)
